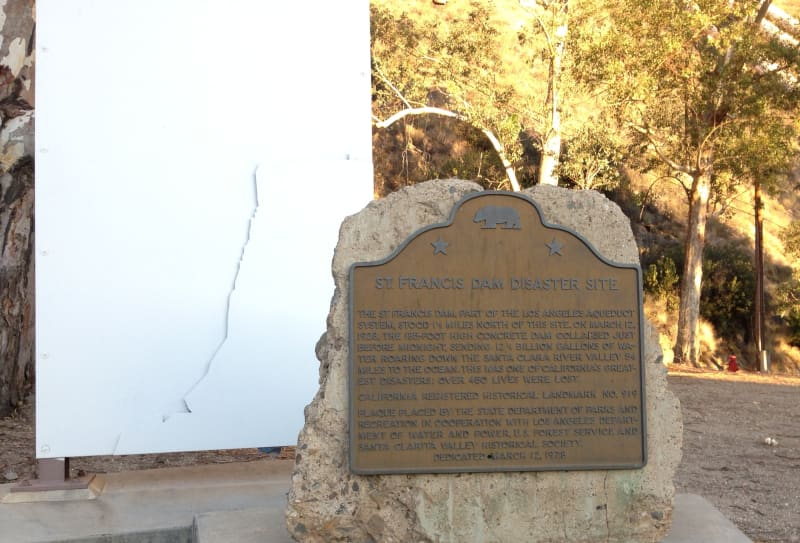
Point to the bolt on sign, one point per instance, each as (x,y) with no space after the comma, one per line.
(495,342)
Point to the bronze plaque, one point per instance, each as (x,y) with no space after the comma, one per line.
(495,342)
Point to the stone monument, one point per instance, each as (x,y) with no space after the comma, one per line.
(487,376)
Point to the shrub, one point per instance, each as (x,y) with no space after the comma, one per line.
(728,289)
(661,280)
(726,300)
(788,305)
(793,320)
(788,293)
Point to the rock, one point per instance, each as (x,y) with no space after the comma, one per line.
(328,503)
(10,475)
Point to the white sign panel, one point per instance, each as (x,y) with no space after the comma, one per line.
(194,161)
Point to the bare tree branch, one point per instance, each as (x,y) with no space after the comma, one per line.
(664,158)
(547,37)
(391,86)
(762,11)
(498,147)
(428,110)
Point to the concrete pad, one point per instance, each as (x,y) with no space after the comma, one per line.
(258,525)
(242,502)
(696,520)
(149,502)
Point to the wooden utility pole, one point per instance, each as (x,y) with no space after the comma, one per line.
(758,320)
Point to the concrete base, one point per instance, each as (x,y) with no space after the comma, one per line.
(93,489)
(241,502)
(696,520)
(151,506)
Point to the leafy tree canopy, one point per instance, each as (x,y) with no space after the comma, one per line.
(696,84)
(500,67)
(708,96)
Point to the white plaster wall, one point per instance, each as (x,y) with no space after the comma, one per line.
(194,160)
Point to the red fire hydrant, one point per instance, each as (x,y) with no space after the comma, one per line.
(732,365)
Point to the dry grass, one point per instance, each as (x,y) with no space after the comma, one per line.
(738,377)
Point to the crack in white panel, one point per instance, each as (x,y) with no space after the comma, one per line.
(116,445)
(277,304)
(226,325)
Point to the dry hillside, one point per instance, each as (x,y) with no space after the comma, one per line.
(427,147)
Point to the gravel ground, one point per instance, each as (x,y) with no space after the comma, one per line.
(727,419)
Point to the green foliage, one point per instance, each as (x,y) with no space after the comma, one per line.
(710,97)
(788,292)
(728,290)
(791,239)
(728,287)
(591,158)
(788,302)
(698,85)
(661,280)
(793,320)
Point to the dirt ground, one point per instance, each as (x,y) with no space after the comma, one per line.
(726,458)
(727,419)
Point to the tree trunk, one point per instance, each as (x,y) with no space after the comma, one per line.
(16,287)
(16,202)
(551,144)
(688,343)
(551,155)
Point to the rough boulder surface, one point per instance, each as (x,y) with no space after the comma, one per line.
(328,503)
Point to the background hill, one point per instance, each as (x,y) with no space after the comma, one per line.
(425,147)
